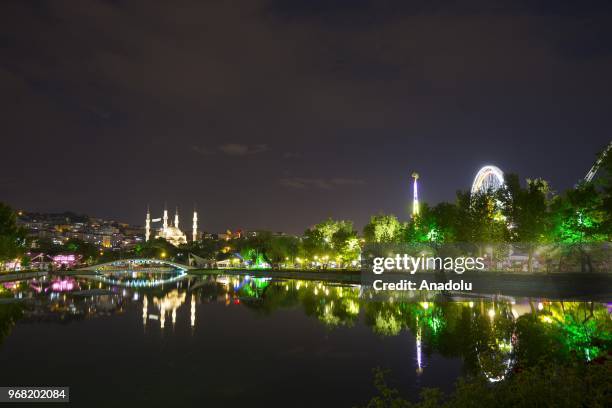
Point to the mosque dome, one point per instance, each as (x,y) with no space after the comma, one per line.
(173,235)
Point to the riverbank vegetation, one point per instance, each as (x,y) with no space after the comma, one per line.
(573,384)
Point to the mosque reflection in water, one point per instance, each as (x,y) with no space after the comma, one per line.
(494,336)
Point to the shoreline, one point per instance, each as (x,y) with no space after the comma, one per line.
(566,285)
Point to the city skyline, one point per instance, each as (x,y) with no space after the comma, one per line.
(408,210)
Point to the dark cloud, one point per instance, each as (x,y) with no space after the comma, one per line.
(291,155)
(317,183)
(110,105)
(237,149)
(202,150)
(231,149)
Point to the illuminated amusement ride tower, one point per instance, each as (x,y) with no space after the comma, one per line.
(415,193)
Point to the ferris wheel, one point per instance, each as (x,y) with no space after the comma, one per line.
(488,178)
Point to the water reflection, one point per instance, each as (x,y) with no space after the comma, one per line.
(139,279)
(493,336)
(169,303)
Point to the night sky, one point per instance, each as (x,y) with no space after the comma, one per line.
(279,114)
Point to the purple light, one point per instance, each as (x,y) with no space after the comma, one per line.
(65,285)
(63,258)
(13,265)
(66,259)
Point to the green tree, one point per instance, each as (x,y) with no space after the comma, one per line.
(436,224)
(47,246)
(578,221)
(205,248)
(346,246)
(9,315)
(283,248)
(88,251)
(485,218)
(255,248)
(480,220)
(604,181)
(527,213)
(444,223)
(419,227)
(383,228)
(12,237)
(546,385)
(157,248)
(330,240)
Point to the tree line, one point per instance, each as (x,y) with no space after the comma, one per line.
(530,214)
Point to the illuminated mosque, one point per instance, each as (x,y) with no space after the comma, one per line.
(171,233)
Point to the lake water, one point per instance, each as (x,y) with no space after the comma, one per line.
(165,338)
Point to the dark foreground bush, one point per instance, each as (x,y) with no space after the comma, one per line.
(572,385)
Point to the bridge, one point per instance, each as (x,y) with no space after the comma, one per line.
(119,273)
(136,265)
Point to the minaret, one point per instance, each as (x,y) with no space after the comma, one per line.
(195,225)
(176,220)
(148,225)
(165,218)
(415,200)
